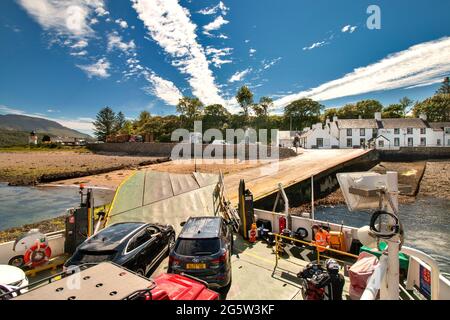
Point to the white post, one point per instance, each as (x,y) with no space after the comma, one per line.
(375,281)
(390,287)
(312,198)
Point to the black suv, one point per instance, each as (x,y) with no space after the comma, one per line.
(203,250)
(137,246)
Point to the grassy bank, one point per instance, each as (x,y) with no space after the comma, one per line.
(45,226)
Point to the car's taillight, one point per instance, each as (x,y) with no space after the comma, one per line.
(216,262)
(174,262)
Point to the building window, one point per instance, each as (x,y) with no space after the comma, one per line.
(362,132)
(396,131)
(448,142)
(438,142)
(423,131)
(409,130)
(447,130)
(349,132)
(381,143)
(362,142)
(349,143)
(396,142)
(423,141)
(410,142)
(319,142)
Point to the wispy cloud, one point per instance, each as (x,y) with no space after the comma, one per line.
(70,18)
(214,25)
(213,10)
(267,64)
(349,28)
(422,64)
(217,55)
(251,52)
(115,42)
(315,45)
(170,26)
(98,69)
(239,76)
(163,89)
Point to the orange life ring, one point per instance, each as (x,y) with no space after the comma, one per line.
(37,255)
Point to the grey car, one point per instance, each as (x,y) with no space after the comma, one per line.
(203,250)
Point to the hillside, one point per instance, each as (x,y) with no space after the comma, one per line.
(9,138)
(27,124)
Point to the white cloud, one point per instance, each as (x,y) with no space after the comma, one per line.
(70,17)
(170,26)
(251,52)
(101,12)
(122,23)
(240,75)
(214,25)
(271,63)
(422,64)
(213,10)
(315,45)
(79,53)
(115,42)
(163,89)
(349,28)
(80,44)
(217,55)
(98,69)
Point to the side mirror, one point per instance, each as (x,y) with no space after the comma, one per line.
(182,224)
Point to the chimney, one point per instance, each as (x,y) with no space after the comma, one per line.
(378,116)
(423,116)
(335,118)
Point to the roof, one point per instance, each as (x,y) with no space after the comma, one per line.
(403,123)
(439,126)
(357,123)
(201,227)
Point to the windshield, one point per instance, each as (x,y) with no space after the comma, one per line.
(197,247)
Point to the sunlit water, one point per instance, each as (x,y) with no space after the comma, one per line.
(25,205)
(426,223)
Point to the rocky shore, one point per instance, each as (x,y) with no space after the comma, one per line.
(45,226)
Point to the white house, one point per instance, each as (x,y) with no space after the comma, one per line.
(377,132)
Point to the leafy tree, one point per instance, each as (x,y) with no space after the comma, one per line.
(127,127)
(437,108)
(215,116)
(266,104)
(119,122)
(190,109)
(367,108)
(304,112)
(142,121)
(445,87)
(46,138)
(330,113)
(395,110)
(245,99)
(105,123)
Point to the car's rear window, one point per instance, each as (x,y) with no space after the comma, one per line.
(116,232)
(197,247)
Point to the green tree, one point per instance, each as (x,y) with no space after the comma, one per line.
(190,109)
(395,110)
(119,121)
(245,99)
(303,112)
(437,108)
(367,108)
(215,116)
(266,104)
(330,113)
(445,87)
(105,123)
(46,138)
(142,121)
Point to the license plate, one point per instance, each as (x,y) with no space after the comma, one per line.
(196,266)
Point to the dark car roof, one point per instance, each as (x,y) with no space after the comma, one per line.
(201,228)
(110,237)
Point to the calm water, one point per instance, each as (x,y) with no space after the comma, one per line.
(426,223)
(25,205)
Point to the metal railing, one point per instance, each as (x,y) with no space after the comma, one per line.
(279,243)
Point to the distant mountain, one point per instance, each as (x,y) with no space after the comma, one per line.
(39,125)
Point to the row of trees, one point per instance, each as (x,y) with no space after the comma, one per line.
(296,116)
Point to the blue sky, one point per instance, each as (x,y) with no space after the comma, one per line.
(64,60)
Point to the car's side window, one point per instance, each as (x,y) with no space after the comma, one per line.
(139,239)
